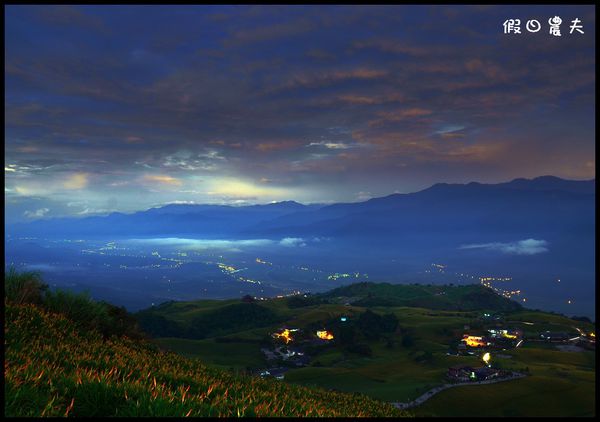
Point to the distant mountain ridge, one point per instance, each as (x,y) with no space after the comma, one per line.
(538,205)
(464,298)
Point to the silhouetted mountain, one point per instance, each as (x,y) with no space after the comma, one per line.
(544,206)
(171,220)
(547,205)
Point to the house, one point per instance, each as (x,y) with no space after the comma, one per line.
(278,373)
(460,372)
(485,373)
(505,334)
(474,341)
(554,336)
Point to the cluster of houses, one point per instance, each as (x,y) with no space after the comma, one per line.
(556,337)
(495,338)
(291,355)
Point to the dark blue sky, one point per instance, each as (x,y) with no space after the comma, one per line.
(119,108)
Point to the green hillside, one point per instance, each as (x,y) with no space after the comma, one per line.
(398,352)
(459,298)
(54,368)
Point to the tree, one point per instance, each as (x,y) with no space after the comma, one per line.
(347,334)
(370,324)
(408,340)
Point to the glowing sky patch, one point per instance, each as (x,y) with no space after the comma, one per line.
(162,179)
(76,181)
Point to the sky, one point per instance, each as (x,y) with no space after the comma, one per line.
(123,108)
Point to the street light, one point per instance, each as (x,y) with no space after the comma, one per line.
(486,358)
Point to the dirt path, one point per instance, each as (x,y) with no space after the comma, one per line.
(421,399)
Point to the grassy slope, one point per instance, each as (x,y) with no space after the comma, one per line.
(395,375)
(51,369)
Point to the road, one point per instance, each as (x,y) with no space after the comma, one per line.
(421,399)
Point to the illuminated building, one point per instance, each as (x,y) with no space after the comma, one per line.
(325,335)
(474,341)
(285,335)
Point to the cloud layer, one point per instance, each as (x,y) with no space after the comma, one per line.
(520,247)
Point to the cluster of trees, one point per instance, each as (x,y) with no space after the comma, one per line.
(354,335)
(110,320)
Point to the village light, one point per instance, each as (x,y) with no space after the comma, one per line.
(325,335)
(486,358)
(285,335)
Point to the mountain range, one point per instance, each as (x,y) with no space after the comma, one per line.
(539,207)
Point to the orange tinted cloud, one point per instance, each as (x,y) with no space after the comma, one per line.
(76,181)
(399,115)
(276,146)
(162,179)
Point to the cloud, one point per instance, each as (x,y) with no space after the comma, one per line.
(76,181)
(162,179)
(37,213)
(201,244)
(327,78)
(292,242)
(276,146)
(520,247)
(363,196)
(335,145)
(134,139)
(234,188)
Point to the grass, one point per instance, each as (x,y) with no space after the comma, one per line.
(532,396)
(54,369)
(237,355)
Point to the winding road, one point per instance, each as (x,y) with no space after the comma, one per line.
(421,399)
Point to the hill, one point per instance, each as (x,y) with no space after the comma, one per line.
(459,298)
(225,319)
(206,319)
(52,368)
